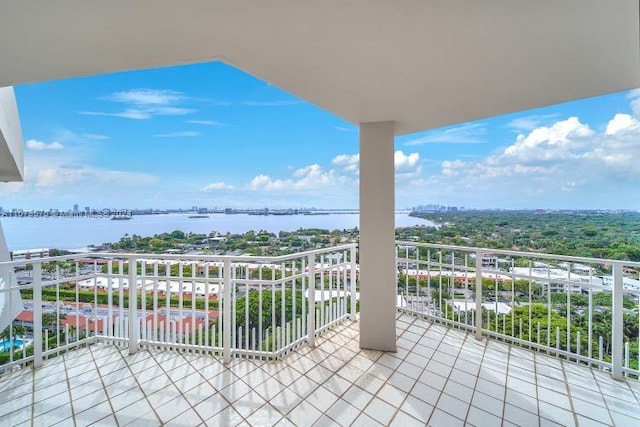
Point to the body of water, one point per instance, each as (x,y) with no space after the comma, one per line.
(74,233)
(6,345)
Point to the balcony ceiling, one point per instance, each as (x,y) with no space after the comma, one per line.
(422,63)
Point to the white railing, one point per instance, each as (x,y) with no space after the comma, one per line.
(580,309)
(260,307)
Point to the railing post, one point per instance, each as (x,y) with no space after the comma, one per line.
(353,289)
(37,315)
(311,318)
(226,312)
(478,318)
(617,323)
(133,306)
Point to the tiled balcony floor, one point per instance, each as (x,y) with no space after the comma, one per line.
(439,377)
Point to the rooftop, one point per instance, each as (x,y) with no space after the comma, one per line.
(438,376)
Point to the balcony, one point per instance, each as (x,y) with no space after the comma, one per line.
(284,350)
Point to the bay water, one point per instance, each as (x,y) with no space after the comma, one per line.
(73,233)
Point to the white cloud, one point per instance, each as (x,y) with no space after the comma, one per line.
(339,179)
(145,96)
(553,143)
(260,181)
(206,123)
(406,165)
(634,96)
(94,136)
(128,114)
(348,162)
(468,133)
(271,103)
(143,114)
(170,111)
(312,177)
(622,124)
(530,122)
(183,134)
(634,93)
(347,129)
(567,164)
(217,186)
(57,176)
(34,144)
(144,104)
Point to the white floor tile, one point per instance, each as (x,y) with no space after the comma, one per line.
(460,391)
(622,420)
(554,398)
(187,418)
(487,403)
(402,381)
(441,376)
(555,414)
(522,387)
(199,393)
(588,422)
(53,416)
(519,416)
(343,413)
(357,397)
(226,417)
(417,408)
(89,401)
(16,417)
(264,416)
(285,401)
(365,420)
(392,395)
(321,398)
(480,418)
(168,409)
(453,406)
(369,383)
(211,406)
(589,410)
(623,407)
(304,414)
(380,410)
(93,414)
(441,418)
(403,419)
(126,398)
(132,412)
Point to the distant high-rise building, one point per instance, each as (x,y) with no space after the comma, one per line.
(75,208)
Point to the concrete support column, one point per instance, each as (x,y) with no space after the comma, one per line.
(377,237)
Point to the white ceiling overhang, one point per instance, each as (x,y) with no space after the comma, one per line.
(421,63)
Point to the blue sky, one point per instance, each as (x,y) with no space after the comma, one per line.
(213,136)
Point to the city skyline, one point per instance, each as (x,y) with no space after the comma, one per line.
(213,136)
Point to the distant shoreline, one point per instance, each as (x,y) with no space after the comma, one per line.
(110,214)
(71,233)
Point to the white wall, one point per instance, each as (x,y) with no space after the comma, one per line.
(11,144)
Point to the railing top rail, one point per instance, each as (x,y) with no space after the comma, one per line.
(522,254)
(70,257)
(179,257)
